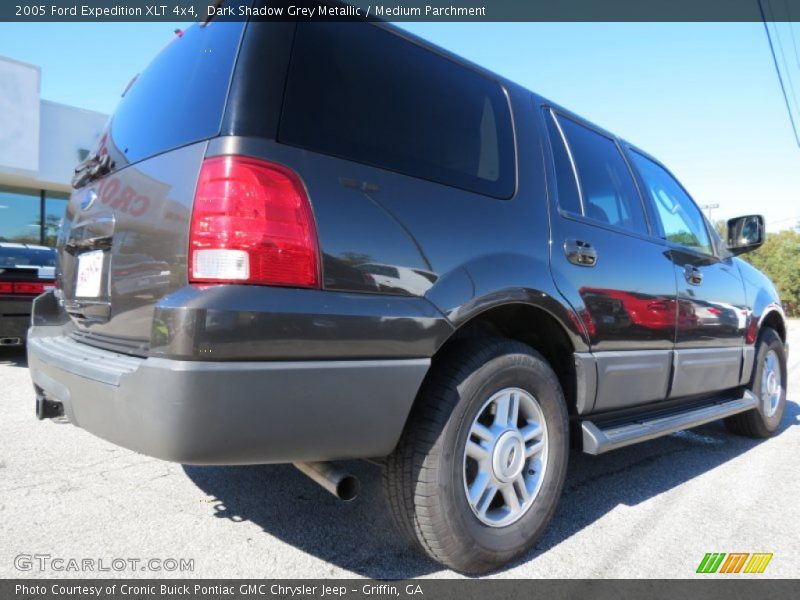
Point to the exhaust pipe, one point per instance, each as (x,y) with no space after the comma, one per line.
(10,341)
(339,483)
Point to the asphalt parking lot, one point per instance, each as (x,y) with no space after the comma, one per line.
(649,511)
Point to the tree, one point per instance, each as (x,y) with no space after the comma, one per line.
(779,259)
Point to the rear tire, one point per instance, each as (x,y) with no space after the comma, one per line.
(768,383)
(499,389)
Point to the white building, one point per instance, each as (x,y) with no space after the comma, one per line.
(40,144)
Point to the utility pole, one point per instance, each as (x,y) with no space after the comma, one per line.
(709,208)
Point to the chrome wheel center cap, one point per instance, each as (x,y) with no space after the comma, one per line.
(508,456)
(772,383)
(505,457)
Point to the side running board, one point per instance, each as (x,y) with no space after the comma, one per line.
(597,439)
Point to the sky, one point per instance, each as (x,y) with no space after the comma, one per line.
(704,98)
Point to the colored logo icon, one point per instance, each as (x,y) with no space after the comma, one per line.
(734,562)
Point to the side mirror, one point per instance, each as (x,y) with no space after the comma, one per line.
(745,234)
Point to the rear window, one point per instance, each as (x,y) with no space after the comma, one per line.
(362,93)
(179,98)
(27,257)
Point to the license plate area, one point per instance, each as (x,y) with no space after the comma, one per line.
(89,275)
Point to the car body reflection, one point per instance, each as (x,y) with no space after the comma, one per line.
(618,311)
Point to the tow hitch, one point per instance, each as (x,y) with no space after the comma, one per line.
(47,409)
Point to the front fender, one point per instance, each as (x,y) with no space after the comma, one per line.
(762,299)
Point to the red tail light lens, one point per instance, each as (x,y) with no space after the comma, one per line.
(27,288)
(658,305)
(252,223)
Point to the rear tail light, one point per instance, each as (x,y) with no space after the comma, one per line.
(658,305)
(24,288)
(29,288)
(252,223)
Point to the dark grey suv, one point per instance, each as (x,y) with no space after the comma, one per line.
(302,242)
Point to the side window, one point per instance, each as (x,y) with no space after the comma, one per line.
(681,221)
(605,183)
(359,92)
(566,186)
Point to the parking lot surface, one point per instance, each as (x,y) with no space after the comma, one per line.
(651,510)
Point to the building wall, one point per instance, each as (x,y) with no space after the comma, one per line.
(19,116)
(40,144)
(67,134)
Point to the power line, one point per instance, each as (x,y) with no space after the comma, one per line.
(790,24)
(778,71)
(784,60)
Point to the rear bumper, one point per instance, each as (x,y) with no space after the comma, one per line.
(15,318)
(13,328)
(227,412)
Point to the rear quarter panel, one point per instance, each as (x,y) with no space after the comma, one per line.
(476,251)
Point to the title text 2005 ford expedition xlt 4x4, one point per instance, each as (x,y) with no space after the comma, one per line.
(301,242)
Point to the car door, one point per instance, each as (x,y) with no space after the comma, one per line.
(616,275)
(711,299)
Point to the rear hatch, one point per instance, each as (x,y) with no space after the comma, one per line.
(124,241)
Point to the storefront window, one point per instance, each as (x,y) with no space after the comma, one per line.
(19,215)
(55,205)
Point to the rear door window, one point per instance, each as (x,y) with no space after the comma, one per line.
(362,93)
(606,189)
(566,185)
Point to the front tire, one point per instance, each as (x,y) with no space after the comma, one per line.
(479,469)
(769,385)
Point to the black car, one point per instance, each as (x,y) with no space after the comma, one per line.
(378,250)
(25,272)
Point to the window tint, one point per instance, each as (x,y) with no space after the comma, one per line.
(362,93)
(566,186)
(680,219)
(607,188)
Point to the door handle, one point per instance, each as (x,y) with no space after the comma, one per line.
(693,275)
(580,253)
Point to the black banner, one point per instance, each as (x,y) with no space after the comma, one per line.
(713,588)
(402,10)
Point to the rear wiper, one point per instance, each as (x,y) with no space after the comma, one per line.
(93,167)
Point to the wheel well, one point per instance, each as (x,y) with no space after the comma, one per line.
(774,321)
(532,326)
